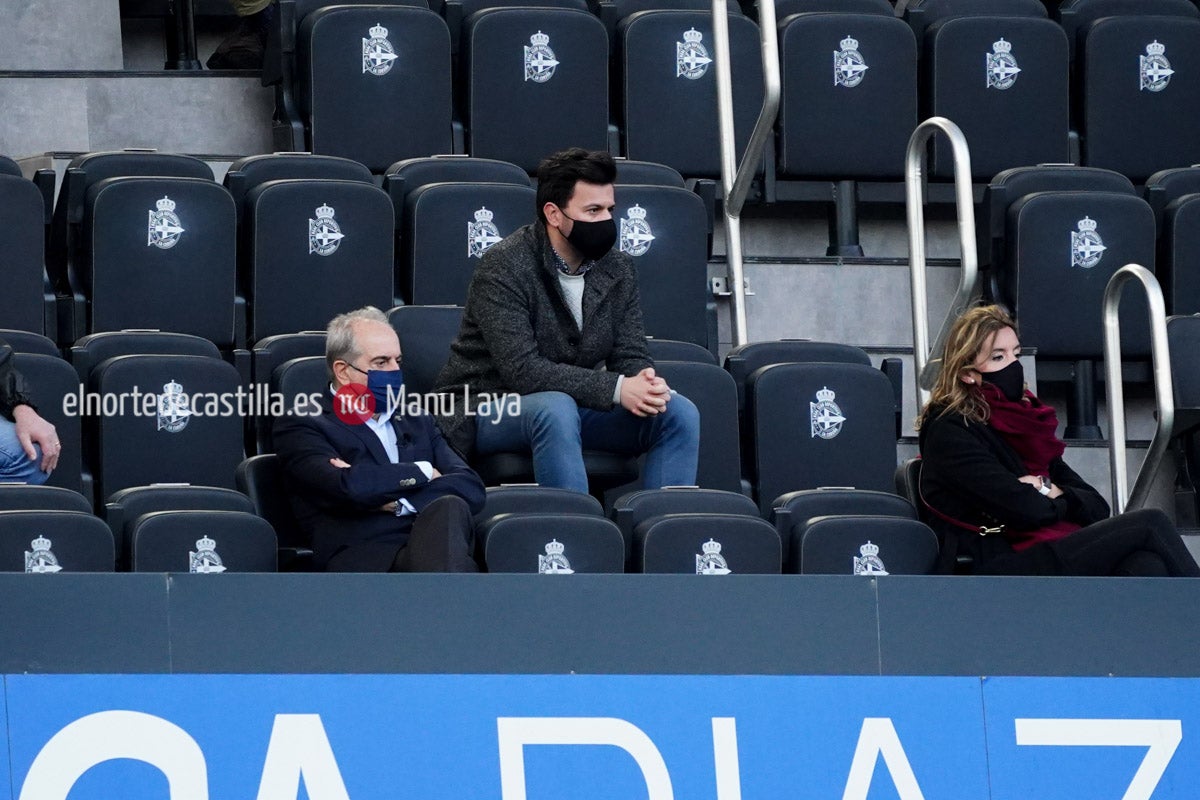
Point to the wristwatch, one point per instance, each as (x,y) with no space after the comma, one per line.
(1043,489)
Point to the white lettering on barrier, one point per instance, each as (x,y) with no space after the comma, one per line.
(299,750)
(725,758)
(106,735)
(514,733)
(878,738)
(1161,737)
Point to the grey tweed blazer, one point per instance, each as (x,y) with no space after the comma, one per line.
(518,334)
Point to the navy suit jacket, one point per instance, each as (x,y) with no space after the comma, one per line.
(340,507)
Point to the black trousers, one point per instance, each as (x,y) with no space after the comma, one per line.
(441,540)
(1137,544)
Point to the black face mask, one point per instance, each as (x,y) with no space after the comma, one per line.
(1010,380)
(592,240)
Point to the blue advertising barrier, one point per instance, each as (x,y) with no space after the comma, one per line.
(531,737)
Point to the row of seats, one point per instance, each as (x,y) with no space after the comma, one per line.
(209,530)
(148,240)
(1017,82)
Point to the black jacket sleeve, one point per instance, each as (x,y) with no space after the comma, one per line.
(13,391)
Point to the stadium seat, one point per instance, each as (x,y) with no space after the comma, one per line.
(52,383)
(869,87)
(269,353)
(635,507)
(706,544)
(1178,250)
(29,342)
(24,497)
(95,348)
(557,99)
(456,11)
(307,375)
(204,542)
(425,333)
(667,106)
(715,396)
(792,512)
(175,427)
(868,545)
(125,507)
(393,103)
(647,173)
(246,173)
(261,479)
(533,499)
(552,544)
(908,484)
(671,350)
(849,438)
(413,173)
(54,541)
(26,302)
(446,228)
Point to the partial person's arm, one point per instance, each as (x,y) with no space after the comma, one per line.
(456,477)
(16,405)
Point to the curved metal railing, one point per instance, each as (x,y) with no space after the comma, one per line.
(1124,500)
(735,179)
(927,360)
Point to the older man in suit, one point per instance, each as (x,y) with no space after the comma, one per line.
(552,315)
(378,489)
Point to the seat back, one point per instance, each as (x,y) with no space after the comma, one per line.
(792,512)
(54,389)
(1076,16)
(706,544)
(870,88)
(425,333)
(533,499)
(175,429)
(668,101)
(552,544)
(251,171)
(123,508)
(1178,251)
(920,14)
(1183,339)
(204,542)
(665,231)
(291,379)
(647,173)
(413,173)
(21,302)
(908,484)
(395,102)
(632,509)
(54,541)
(29,342)
(517,114)
(95,348)
(296,281)
(446,229)
(671,350)
(261,479)
(1067,245)
(866,545)
(1167,185)
(715,396)
(742,361)
(268,354)
(820,425)
(188,244)
(26,497)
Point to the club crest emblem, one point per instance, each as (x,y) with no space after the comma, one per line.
(379,56)
(205,560)
(691,57)
(849,68)
(173,408)
(540,61)
(635,235)
(165,227)
(554,562)
(41,559)
(711,562)
(868,562)
(1087,248)
(481,234)
(824,415)
(1002,67)
(324,234)
(1154,70)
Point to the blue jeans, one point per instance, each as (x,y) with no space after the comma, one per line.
(15,466)
(556,430)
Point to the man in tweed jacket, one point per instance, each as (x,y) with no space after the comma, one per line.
(553,316)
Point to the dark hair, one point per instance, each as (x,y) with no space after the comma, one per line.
(558,174)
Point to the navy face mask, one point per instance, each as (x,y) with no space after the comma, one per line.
(592,240)
(1010,380)
(379,382)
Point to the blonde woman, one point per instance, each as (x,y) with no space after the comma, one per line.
(994,482)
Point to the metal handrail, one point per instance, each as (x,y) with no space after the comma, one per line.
(927,361)
(1115,391)
(735,179)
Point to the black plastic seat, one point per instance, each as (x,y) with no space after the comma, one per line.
(706,544)
(261,479)
(29,342)
(792,512)
(203,542)
(667,107)
(1178,249)
(671,350)
(532,499)
(246,173)
(868,545)
(54,541)
(26,303)
(713,392)
(297,380)
(633,508)
(123,508)
(552,544)
(54,389)
(25,497)
(411,174)
(521,115)
(268,354)
(96,348)
(425,333)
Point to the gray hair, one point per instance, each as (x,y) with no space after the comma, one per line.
(340,344)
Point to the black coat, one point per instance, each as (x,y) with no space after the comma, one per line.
(518,334)
(13,391)
(340,508)
(970,473)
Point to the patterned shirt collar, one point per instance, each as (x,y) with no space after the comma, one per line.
(565,268)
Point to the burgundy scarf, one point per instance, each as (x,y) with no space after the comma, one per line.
(1028,426)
